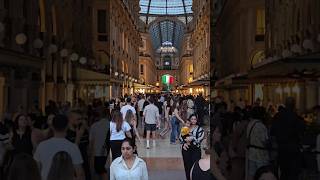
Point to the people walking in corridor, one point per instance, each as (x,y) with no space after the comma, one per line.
(152,121)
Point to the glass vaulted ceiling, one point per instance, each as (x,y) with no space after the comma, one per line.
(175,14)
(167,32)
(151,9)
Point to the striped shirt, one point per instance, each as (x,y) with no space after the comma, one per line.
(198,135)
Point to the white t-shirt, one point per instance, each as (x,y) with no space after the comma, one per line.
(114,135)
(125,108)
(151,113)
(98,134)
(46,150)
(140,104)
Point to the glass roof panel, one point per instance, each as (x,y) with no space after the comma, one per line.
(166,7)
(167,20)
(166,32)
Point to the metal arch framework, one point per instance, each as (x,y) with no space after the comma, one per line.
(166,20)
(166,31)
(151,9)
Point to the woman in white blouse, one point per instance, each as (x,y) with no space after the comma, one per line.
(128,166)
(119,130)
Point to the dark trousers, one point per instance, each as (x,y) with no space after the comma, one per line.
(290,165)
(192,155)
(116,148)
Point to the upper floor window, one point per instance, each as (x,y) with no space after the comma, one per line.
(141,69)
(260,28)
(102,21)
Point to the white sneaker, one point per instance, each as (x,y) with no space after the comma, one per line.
(148,144)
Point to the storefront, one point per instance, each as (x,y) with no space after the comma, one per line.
(90,85)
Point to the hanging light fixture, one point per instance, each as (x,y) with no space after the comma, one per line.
(21,38)
(53,48)
(37,43)
(64,53)
(83,60)
(74,57)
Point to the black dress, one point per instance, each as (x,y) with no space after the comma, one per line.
(198,173)
(22,144)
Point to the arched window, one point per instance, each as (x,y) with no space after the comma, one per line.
(257,57)
(167,62)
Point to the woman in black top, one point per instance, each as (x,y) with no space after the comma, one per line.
(191,145)
(21,136)
(201,168)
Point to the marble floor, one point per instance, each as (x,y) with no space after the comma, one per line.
(164,161)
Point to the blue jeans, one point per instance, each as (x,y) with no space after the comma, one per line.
(174,129)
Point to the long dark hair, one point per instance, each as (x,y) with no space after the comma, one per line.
(16,124)
(118,119)
(174,106)
(24,167)
(61,167)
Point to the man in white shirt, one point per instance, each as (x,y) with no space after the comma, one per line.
(151,114)
(46,150)
(125,108)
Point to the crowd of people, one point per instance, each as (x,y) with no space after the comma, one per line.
(253,142)
(74,142)
(246,142)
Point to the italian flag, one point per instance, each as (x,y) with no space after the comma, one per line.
(167,79)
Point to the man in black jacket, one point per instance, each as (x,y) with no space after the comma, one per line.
(287,129)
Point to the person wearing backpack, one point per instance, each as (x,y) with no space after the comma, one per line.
(257,137)
(238,147)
